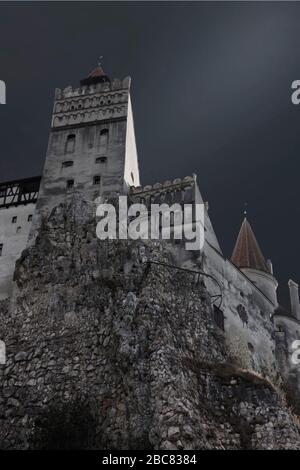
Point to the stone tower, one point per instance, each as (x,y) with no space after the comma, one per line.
(91,149)
(248,257)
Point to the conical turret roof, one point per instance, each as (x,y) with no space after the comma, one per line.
(247,253)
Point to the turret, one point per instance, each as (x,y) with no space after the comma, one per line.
(248,257)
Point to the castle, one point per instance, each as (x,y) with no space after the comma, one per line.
(92,151)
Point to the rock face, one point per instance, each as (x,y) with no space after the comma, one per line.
(108,348)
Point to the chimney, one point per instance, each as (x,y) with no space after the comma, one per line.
(294,296)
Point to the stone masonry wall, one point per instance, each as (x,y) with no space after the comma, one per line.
(106,350)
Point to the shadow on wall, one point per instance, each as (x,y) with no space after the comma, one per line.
(68,426)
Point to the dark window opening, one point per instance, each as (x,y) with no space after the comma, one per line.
(67,164)
(104,138)
(29,219)
(280,334)
(14,220)
(19,229)
(1,249)
(132,177)
(219,318)
(70,143)
(96,180)
(101,159)
(70,184)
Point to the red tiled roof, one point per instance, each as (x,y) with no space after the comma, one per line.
(247,253)
(97,72)
(97,75)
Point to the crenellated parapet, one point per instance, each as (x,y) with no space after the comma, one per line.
(89,103)
(114,85)
(179,190)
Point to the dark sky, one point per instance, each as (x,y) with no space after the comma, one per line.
(211,95)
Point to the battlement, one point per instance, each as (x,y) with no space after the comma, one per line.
(90,103)
(181,191)
(113,85)
(177,183)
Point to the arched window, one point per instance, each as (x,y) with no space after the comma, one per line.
(103,139)
(70,143)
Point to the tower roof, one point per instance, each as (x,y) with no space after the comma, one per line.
(97,75)
(247,253)
(97,72)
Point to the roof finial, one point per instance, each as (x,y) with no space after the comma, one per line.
(100,63)
(245,209)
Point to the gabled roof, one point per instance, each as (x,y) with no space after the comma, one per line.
(247,253)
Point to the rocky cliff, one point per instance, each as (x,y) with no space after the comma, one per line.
(109,348)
